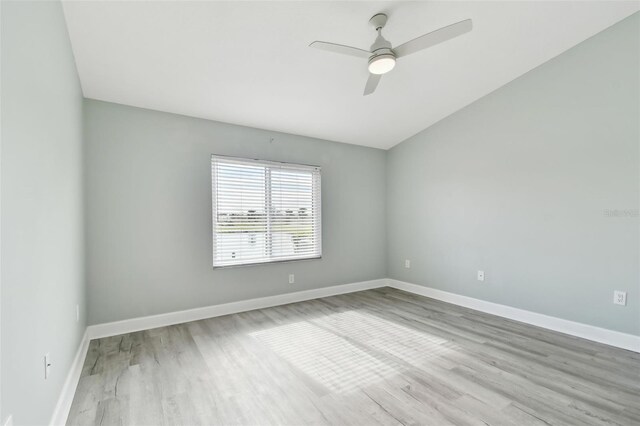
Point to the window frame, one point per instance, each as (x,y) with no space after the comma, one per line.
(268,196)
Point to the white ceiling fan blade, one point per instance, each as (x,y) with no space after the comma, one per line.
(433,38)
(339,48)
(372,83)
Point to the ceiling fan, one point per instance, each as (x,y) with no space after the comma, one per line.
(382,56)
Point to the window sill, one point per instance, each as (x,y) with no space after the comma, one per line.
(271,262)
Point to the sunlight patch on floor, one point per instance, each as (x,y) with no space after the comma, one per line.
(324,356)
(410,345)
(331,349)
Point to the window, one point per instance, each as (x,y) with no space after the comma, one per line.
(264,211)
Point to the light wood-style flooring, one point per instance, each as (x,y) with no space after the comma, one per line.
(369,358)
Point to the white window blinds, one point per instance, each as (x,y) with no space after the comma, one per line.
(264,211)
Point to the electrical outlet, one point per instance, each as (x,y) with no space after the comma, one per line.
(620,297)
(47,366)
(480,275)
(407,263)
(9,421)
(77,313)
(292,278)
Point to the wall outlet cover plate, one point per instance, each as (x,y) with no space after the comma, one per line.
(620,297)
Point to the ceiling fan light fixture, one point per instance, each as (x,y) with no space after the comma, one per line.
(382,64)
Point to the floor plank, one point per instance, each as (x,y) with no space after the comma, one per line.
(377,357)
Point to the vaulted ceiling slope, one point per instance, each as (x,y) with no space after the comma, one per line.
(249,63)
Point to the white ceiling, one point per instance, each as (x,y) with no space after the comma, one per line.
(249,62)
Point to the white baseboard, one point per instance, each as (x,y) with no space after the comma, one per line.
(144,323)
(61,412)
(589,332)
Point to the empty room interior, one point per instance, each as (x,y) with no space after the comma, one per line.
(319,213)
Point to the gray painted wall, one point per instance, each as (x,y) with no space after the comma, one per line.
(148,199)
(42,213)
(518,184)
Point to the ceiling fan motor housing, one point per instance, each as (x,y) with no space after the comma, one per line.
(382,59)
(382,52)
